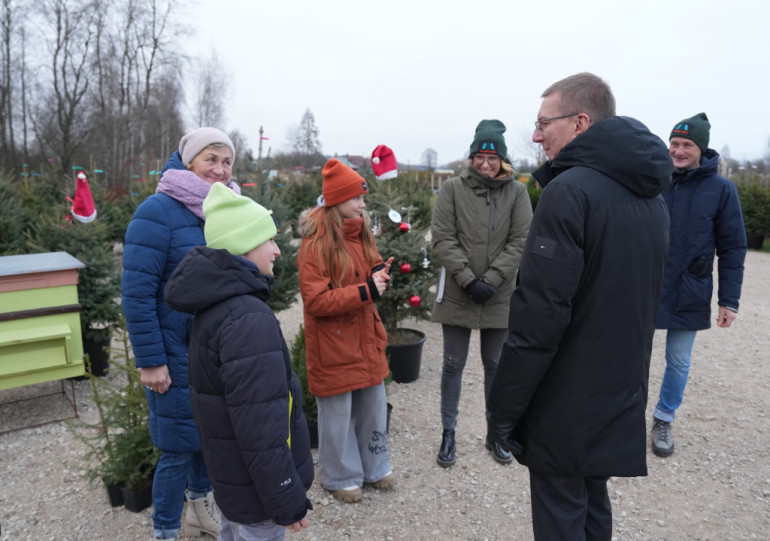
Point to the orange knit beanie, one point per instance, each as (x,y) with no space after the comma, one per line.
(341,183)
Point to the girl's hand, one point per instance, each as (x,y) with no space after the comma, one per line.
(382,277)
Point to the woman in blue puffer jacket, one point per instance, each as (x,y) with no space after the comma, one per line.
(164,228)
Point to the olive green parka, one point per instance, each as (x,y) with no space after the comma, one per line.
(478,230)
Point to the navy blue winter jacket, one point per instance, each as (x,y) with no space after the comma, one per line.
(161,232)
(246,400)
(706,220)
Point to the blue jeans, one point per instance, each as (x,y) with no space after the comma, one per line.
(678,351)
(456,342)
(175,472)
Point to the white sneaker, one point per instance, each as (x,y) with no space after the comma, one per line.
(202,516)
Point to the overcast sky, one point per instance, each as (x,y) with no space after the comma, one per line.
(417,74)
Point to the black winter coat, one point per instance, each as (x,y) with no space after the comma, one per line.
(573,371)
(246,401)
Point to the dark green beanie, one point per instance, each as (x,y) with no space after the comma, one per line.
(696,128)
(489,138)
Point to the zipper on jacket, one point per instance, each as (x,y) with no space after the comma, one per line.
(494,209)
(291,405)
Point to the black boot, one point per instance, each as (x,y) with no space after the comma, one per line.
(446,455)
(498,453)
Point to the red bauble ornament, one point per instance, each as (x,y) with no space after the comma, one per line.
(403,227)
(415,300)
(405,268)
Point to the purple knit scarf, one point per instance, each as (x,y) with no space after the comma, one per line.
(188,188)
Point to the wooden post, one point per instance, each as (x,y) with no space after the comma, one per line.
(259,153)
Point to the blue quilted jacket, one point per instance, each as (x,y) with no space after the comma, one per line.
(161,232)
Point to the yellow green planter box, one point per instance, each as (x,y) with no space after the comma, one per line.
(40,336)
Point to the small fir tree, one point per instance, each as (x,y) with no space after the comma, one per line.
(299,365)
(414,268)
(120,450)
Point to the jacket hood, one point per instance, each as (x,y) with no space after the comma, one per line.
(206,277)
(620,147)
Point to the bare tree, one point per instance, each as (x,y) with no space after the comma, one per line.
(133,62)
(532,149)
(59,121)
(7,145)
(157,33)
(304,139)
(101,86)
(210,91)
(430,159)
(23,89)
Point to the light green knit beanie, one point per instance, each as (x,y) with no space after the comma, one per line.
(234,222)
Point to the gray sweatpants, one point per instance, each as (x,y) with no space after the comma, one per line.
(352,438)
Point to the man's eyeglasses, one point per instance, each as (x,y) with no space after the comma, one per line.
(479,159)
(543,123)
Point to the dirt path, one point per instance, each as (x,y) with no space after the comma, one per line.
(715,487)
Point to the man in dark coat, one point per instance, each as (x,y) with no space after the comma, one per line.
(706,220)
(570,393)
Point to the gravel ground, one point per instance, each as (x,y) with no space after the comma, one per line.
(715,487)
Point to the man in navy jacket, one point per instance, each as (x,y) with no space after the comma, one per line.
(570,392)
(706,220)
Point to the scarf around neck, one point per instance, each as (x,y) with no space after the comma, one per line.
(188,188)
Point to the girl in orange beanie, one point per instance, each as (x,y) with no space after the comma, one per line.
(341,274)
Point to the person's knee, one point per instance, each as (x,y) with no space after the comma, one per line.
(679,362)
(454,364)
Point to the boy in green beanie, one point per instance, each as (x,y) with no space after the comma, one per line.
(246,401)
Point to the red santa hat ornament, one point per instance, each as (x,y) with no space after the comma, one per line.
(83,208)
(384,163)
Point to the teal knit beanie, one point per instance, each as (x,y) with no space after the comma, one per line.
(696,128)
(234,222)
(489,138)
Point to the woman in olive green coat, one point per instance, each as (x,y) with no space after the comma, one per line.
(479,227)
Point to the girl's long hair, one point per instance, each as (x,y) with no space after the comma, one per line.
(323,229)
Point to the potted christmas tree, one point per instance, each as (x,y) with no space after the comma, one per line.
(400,208)
(120,450)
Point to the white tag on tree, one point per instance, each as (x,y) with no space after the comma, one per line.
(394,216)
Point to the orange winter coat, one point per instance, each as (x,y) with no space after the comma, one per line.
(344,336)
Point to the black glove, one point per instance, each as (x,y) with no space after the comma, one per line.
(479,291)
(501,431)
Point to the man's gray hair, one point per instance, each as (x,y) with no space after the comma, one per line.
(584,93)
